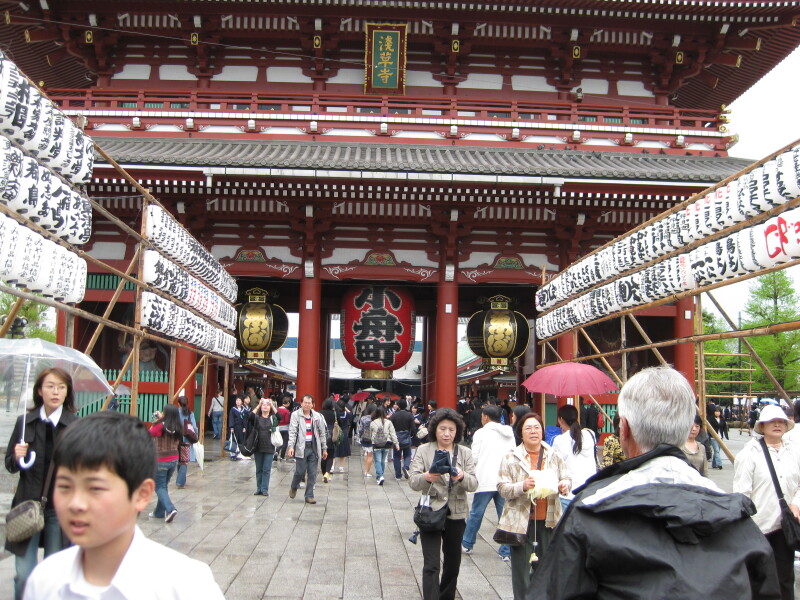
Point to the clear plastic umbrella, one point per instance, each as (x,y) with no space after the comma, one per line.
(23,359)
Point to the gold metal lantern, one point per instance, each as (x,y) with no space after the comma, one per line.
(498,334)
(263,328)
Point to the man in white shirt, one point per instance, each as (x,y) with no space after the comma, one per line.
(489,444)
(104,468)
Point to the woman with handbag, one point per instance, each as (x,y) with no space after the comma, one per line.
(383,437)
(447,491)
(532,469)
(53,411)
(168,433)
(329,414)
(342,450)
(237,422)
(752,477)
(264,424)
(186,451)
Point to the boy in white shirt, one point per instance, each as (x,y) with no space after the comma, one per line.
(104,479)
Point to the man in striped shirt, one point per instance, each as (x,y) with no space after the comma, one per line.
(307,435)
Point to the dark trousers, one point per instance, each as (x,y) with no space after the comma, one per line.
(306,466)
(447,547)
(784,561)
(285,436)
(327,464)
(522,569)
(405,455)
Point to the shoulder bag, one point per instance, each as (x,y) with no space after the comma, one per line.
(189,431)
(27,518)
(428,520)
(789,525)
(251,443)
(510,538)
(338,433)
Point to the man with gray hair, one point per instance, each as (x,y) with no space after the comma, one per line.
(651,526)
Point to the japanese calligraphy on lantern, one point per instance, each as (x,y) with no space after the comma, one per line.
(385,61)
(377,329)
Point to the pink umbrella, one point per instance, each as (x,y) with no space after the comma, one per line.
(569,379)
(359,396)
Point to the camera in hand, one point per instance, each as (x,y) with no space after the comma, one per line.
(441,463)
(155,416)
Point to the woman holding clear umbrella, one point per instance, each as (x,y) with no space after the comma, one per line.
(53,411)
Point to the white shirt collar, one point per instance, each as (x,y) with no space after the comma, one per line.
(54,416)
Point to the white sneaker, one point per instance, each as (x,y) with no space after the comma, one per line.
(367,474)
(341,469)
(380,481)
(301,485)
(466,550)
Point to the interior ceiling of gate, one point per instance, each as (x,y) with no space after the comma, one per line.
(469,296)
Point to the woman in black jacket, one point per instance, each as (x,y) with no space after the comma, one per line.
(237,423)
(263,421)
(329,414)
(53,411)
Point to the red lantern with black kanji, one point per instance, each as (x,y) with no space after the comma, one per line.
(377,329)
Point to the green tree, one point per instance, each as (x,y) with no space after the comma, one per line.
(771,300)
(36,314)
(715,351)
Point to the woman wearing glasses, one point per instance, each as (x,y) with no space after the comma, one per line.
(53,411)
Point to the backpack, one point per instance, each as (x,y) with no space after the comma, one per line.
(364,433)
(379,439)
(338,433)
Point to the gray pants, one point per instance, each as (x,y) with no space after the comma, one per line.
(521,569)
(306,466)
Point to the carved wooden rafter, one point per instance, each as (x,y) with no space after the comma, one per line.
(321,62)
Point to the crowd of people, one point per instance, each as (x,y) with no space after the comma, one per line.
(563,508)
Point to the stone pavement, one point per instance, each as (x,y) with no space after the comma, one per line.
(352,544)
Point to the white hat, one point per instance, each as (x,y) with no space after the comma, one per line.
(770,413)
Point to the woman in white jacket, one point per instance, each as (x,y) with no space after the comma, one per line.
(576,447)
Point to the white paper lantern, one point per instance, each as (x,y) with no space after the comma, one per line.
(788,174)
(9,246)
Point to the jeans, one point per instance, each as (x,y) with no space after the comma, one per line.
(180,478)
(479,504)
(405,453)
(380,461)
(164,472)
(216,423)
(521,568)
(263,470)
(52,544)
(716,459)
(306,466)
(442,546)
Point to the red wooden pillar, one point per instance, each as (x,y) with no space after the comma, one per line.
(446,352)
(428,359)
(684,326)
(308,339)
(61,328)
(185,361)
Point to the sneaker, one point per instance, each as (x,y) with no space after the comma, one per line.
(367,474)
(292,492)
(380,481)
(405,472)
(310,501)
(170,516)
(258,493)
(153,516)
(506,559)
(302,485)
(326,477)
(466,550)
(398,477)
(341,469)
(180,487)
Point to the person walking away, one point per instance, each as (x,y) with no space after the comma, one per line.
(383,438)
(576,447)
(53,411)
(695,451)
(168,433)
(342,450)
(530,514)
(328,413)
(652,526)
(283,424)
(265,421)
(751,477)
(307,439)
(365,435)
(489,444)
(716,458)
(237,422)
(186,454)
(446,430)
(589,417)
(403,422)
(215,412)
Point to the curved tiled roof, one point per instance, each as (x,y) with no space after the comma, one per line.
(402,158)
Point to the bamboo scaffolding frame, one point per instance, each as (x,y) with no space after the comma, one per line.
(603,360)
(10,317)
(646,338)
(177,391)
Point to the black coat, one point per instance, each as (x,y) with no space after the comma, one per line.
(657,533)
(31,481)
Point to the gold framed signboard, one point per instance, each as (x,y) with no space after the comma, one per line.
(385,61)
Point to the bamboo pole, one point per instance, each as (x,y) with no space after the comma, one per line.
(753,353)
(112,303)
(647,339)
(701,362)
(622,343)
(603,360)
(117,381)
(226,393)
(11,316)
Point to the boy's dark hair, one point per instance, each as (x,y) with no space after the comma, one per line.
(492,413)
(117,441)
(402,404)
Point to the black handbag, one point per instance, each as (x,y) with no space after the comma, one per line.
(251,443)
(428,520)
(789,525)
(509,538)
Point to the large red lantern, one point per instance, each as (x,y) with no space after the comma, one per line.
(377,329)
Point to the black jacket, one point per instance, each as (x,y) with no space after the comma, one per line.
(31,481)
(649,528)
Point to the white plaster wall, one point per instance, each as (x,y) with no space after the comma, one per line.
(130,71)
(283,131)
(594,86)
(482,81)
(236,73)
(348,76)
(175,73)
(286,75)
(633,88)
(108,251)
(421,79)
(531,83)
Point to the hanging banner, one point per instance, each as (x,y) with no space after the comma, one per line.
(385,63)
